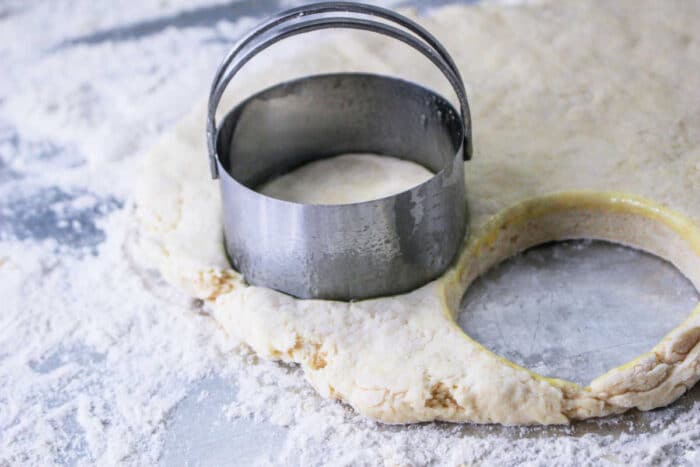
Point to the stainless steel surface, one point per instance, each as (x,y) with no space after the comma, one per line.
(351,251)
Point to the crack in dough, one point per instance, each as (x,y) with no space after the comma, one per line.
(579,123)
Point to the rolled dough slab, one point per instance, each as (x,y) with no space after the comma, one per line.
(582,130)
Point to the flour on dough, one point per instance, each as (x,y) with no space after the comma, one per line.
(348,178)
(573,96)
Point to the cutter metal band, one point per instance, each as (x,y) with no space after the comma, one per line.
(350,251)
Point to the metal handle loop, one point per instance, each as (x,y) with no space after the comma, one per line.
(252,44)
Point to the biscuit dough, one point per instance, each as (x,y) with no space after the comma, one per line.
(583,113)
(349,178)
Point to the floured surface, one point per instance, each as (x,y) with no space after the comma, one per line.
(100,367)
(573,118)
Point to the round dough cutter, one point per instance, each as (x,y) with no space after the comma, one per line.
(351,251)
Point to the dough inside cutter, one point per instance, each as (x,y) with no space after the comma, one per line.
(348,178)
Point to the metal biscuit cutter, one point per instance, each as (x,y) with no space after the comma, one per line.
(348,251)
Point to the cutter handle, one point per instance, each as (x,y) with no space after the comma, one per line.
(274,30)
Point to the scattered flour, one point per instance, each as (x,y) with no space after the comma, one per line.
(95,352)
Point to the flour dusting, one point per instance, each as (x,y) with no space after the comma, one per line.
(98,356)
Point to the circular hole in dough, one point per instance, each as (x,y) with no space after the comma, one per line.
(652,379)
(576,309)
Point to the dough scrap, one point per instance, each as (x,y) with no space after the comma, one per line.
(566,97)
